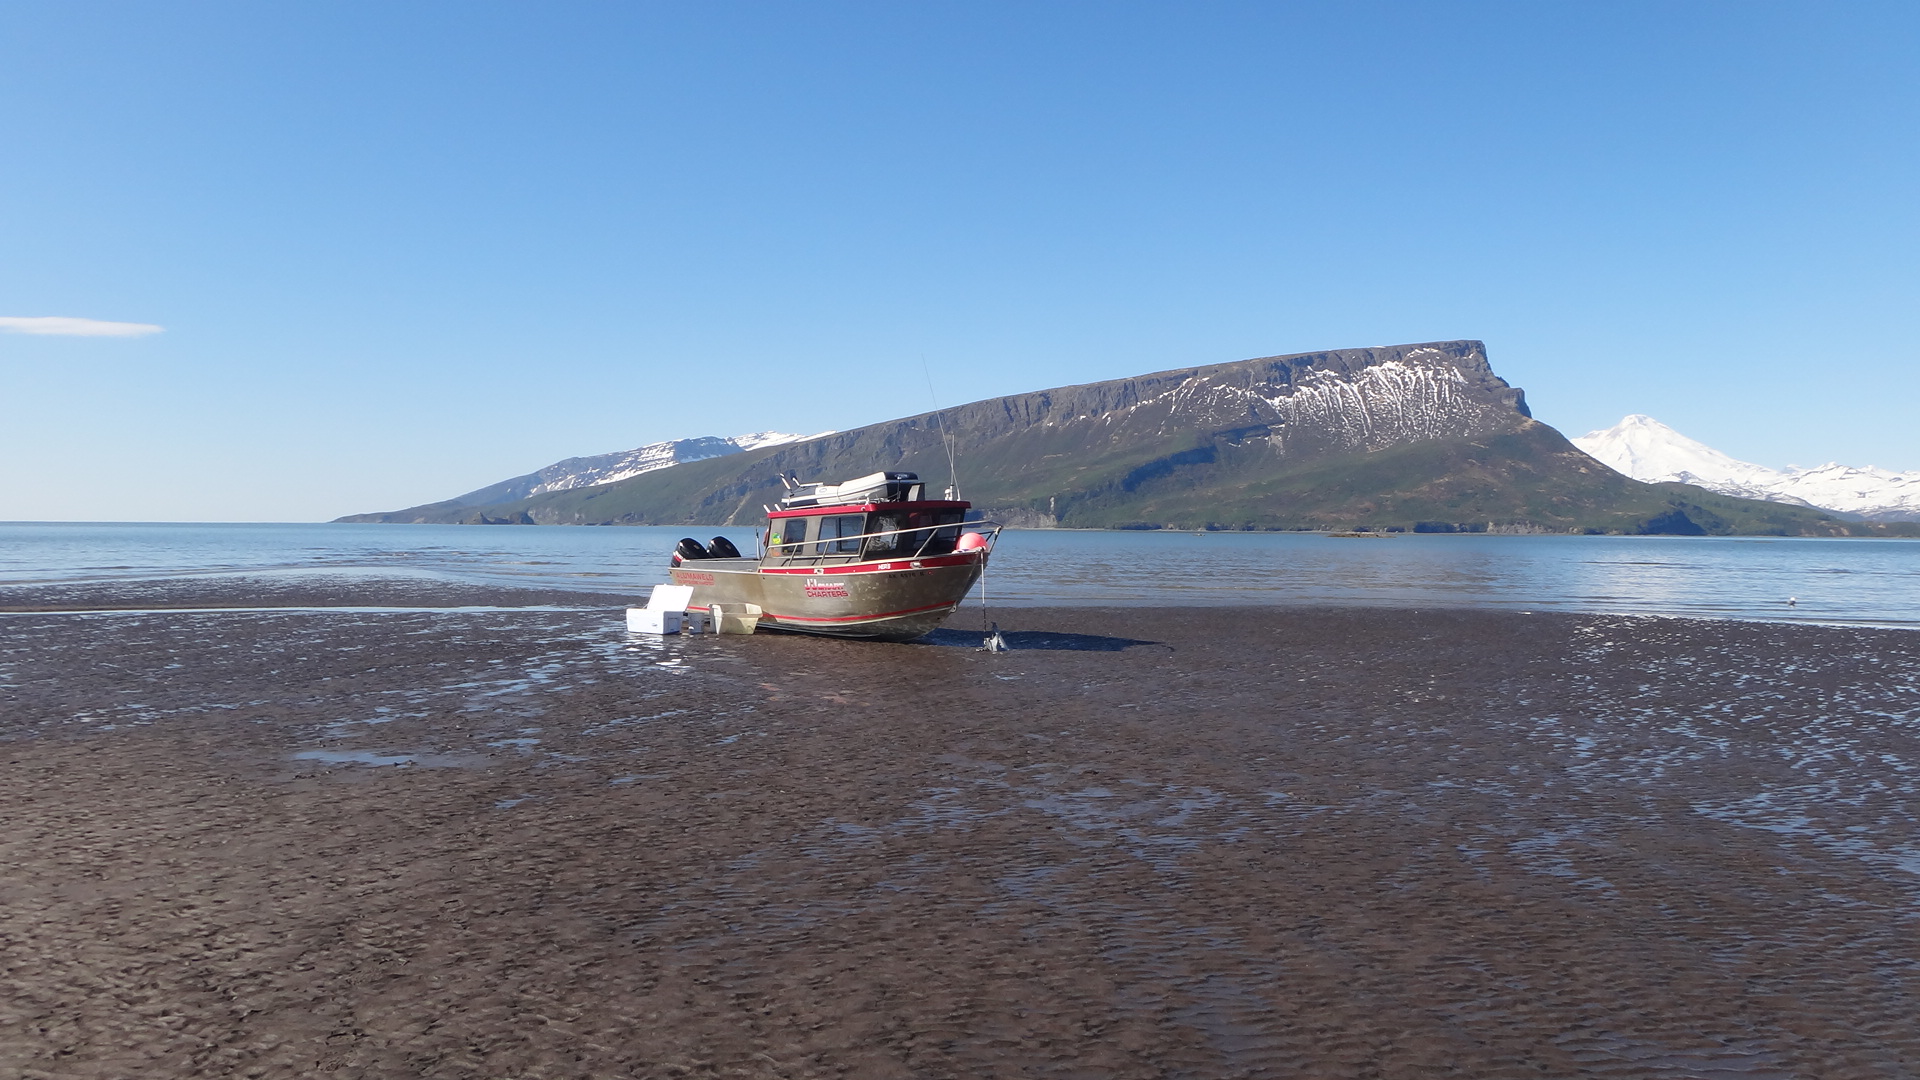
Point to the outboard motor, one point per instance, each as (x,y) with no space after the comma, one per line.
(688,548)
(722,548)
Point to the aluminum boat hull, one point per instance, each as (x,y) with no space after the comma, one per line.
(885,599)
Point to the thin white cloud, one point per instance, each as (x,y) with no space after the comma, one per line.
(69,327)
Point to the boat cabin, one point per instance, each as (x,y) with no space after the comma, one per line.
(881,516)
(863,531)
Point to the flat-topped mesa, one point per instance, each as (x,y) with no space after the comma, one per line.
(1422,436)
(1429,384)
(1338,400)
(1025,451)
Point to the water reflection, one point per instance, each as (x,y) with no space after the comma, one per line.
(585,559)
(1832,581)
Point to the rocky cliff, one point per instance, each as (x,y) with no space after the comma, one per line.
(1410,436)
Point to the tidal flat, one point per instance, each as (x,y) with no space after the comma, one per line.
(358,837)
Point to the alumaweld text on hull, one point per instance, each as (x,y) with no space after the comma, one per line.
(868,558)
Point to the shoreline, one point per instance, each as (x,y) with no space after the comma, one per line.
(321,592)
(1901,529)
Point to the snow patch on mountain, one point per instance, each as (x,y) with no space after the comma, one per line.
(1425,395)
(611,468)
(758,439)
(625,464)
(1383,405)
(1648,450)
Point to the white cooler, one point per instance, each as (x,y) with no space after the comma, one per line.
(652,621)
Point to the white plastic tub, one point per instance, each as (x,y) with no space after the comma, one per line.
(735,618)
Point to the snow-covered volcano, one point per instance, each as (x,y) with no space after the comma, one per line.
(1648,450)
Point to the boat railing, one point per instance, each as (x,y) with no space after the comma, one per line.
(788,552)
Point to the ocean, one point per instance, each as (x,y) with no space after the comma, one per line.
(1868,582)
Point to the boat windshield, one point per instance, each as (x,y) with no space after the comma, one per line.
(832,529)
(913,532)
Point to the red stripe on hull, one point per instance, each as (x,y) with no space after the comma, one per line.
(844,619)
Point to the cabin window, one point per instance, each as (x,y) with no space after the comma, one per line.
(940,531)
(789,534)
(889,541)
(841,525)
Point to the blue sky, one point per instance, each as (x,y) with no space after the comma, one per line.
(401,250)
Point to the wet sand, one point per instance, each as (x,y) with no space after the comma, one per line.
(1145,843)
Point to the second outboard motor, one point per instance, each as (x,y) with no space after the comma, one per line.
(722,548)
(688,548)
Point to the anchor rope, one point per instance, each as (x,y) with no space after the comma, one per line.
(983,594)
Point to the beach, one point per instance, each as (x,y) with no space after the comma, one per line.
(330,831)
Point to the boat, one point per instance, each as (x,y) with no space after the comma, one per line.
(866,558)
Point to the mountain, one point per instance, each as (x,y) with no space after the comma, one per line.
(1422,437)
(1646,449)
(612,468)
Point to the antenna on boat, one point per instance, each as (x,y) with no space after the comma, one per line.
(946,443)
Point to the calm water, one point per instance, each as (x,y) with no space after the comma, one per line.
(1874,582)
